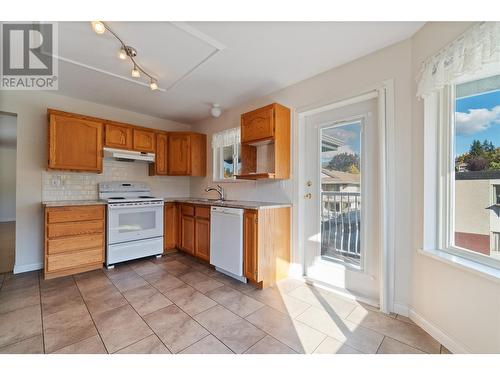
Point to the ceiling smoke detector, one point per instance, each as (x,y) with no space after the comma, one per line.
(215,111)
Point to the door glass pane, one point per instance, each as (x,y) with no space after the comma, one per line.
(341,193)
(131,222)
(477,166)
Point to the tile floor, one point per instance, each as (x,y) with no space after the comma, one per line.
(177,305)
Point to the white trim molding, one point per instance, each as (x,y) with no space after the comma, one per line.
(27,267)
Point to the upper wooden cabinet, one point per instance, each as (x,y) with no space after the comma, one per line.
(265,143)
(74,142)
(118,136)
(144,140)
(187,154)
(159,167)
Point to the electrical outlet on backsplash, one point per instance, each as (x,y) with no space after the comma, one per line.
(58,186)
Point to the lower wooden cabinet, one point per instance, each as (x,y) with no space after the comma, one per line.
(170,230)
(250,222)
(74,239)
(187,234)
(195,230)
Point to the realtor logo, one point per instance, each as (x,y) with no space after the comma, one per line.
(28,56)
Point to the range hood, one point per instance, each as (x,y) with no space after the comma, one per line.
(127,155)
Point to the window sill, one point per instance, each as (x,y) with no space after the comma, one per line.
(229,181)
(479,269)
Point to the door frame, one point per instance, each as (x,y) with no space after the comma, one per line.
(384,91)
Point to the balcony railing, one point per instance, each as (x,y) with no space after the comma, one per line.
(341,225)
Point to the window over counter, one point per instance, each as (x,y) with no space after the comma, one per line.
(226,155)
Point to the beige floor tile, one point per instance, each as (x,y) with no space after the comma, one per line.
(391,346)
(20,324)
(409,334)
(134,281)
(120,271)
(207,345)
(404,319)
(91,345)
(146,299)
(274,298)
(175,267)
(105,299)
(235,332)
(59,299)
(289,285)
(444,350)
(67,327)
(58,283)
(175,328)
(200,281)
(149,345)
(19,281)
(297,335)
(269,345)
(356,336)
(235,301)
(324,300)
(144,267)
(33,345)
(189,299)
(121,327)
(90,281)
(163,281)
(14,299)
(332,346)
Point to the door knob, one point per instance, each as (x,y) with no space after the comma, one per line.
(308,196)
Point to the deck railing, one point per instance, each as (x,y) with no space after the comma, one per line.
(341,224)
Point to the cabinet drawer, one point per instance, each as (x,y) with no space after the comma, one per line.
(187,210)
(75,228)
(78,213)
(66,244)
(82,258)
(202,212)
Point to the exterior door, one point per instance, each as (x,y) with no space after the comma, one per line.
(341,202)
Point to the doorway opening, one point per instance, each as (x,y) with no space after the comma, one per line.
(8,151)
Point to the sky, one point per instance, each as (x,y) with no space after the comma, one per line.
(350,134)
(477,117)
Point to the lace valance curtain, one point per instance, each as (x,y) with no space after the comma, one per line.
(226,138)
(475,49)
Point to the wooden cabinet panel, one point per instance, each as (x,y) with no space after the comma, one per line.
(72,243)
(179,156)
(74,143)
(250,245)
(159,167)
(202,212)
(187,210)
(170,226)
(202,239)
(187,234)
(198,153)
(83,258)
(118,136)
(73,229)
(75,213)
(258,124)
(144,140)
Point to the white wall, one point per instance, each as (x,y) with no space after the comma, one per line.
(7,168)
(461,308)
(31,110)
(333,85)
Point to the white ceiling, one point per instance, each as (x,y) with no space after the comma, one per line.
(245,60)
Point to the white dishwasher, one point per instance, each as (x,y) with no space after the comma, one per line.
(226,241)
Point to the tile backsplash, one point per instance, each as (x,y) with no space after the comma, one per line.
(60,186)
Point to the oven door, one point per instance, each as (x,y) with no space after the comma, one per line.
(131,223)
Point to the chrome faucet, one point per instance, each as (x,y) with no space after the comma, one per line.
(219,190)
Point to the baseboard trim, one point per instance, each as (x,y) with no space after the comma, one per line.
(450,343)
(27,267)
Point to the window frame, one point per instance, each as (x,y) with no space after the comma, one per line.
(218,165)
(442,104)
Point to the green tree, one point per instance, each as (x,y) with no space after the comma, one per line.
(476,148)
(344,162)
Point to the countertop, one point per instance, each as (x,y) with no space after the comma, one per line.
(200,201)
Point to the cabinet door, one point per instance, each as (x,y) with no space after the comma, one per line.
(258,124)
(159,167)
(187,234)
(118,136)
(75,144)
(250,245)
(202,239)
(179,155)
(144,140)
(169,226)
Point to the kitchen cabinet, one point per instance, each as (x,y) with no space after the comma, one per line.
(74,142)
(187,154)
(74,239)
(187,234)
(195,230)
(118,135)
(265,143)
(266,245)
(170,223)
(159,167)
(144,140)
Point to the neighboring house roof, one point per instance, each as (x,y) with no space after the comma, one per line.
(329,176)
